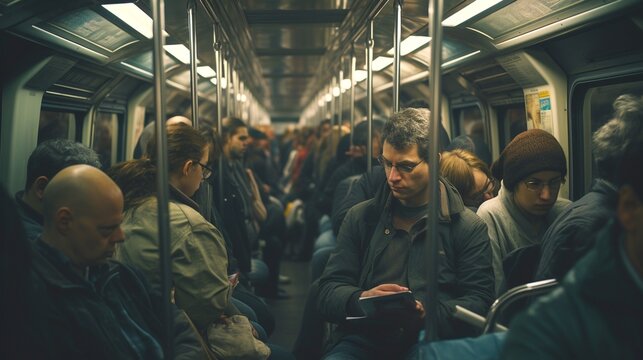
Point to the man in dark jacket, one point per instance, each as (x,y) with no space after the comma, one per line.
(96,308)
(597,312)
(44,162)
(380,252)
(574,230)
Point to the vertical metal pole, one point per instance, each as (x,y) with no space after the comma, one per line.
(228,78)
(397,39)
(218,60)
(435,32)
(194,79)
(353,84)
(237,93)
(340,99)
(369,94)
(333,102)
(162,189)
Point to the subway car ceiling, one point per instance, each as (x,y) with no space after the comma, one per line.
(287,57)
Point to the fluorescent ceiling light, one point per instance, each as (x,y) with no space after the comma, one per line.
(320,102)
(460,58)
(179,52)
(360,75)
(133,16)
(336,91)
(410,44)
(328,97)
(206,71)
(381,62)
(346,84)
(469,11)
(244,98)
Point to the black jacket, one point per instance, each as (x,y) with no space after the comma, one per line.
(82,317)
(574,231)
(465,274)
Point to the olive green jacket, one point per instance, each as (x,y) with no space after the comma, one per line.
(198,253)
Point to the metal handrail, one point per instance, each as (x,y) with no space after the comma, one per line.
(514,294)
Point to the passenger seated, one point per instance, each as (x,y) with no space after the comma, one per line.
(597,311)
(532,168)
(198,255)
(380,251)
(44,162)
(573,232)
(97,308)
(470,175)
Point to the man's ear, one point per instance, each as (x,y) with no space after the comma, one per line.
(185,170)
(39,186)
(63,219)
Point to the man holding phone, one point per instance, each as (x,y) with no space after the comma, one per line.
(380,251)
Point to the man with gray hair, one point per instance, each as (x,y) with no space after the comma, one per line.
(380,251)
(573,232)
(44,162)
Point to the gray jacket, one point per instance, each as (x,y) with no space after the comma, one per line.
(465,273)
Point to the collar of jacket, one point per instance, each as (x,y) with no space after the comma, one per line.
(606,188)
(26,209)
(56,269)
(450,202)
(178,196)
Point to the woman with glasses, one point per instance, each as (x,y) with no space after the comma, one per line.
(532,168)
(470,175)
(198,251)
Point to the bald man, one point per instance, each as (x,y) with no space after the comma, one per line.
(97,307)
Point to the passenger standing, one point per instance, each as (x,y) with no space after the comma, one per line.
(573,232)
(380,251)
(532,168)
(97,308)
(44,163)
(597,312)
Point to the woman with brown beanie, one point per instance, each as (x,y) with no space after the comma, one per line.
(532,168)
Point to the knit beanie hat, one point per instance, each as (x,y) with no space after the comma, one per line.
(529,152)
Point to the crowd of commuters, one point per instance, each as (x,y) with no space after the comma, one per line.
(88,262)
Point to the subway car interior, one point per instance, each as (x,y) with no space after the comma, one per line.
(302,75)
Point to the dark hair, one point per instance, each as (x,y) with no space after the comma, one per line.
(54,155)
(229,126)
(408,127)
(137,178)
(360,133)
(611,140)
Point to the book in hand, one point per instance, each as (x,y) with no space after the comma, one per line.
(398,304)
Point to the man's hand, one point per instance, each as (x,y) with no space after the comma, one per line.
(420,308)
(384,289)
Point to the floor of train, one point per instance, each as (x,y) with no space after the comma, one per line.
(288,312)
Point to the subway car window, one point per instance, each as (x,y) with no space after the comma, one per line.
(105,141)
(511,122)
(598,109)
(469,121)
(56,125)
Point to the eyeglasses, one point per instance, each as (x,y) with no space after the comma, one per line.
(404,168)
(206,170)
(488,191)
(538,186)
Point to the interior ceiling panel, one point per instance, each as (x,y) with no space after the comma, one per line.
(289,38)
